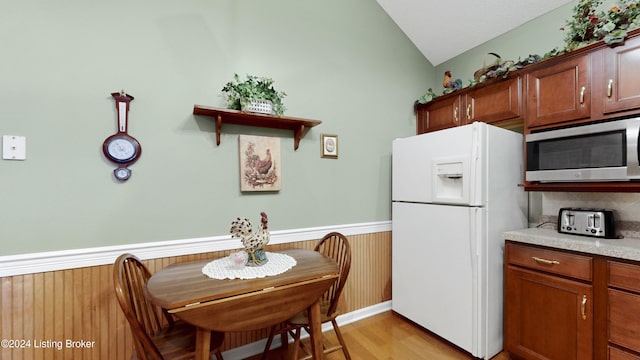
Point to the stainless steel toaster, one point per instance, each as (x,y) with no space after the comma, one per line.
(587,222)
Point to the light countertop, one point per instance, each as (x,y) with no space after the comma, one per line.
(625,248)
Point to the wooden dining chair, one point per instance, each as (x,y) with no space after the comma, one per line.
(156,334)
(335,246)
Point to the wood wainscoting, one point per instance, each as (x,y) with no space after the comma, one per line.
(73,314)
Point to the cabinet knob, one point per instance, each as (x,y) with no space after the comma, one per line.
(455,114)
(610,88)
(468,112)
(582,91)
(583,307)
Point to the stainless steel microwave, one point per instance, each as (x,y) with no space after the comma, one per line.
(605,151)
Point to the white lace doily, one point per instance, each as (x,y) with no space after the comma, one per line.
(224,268)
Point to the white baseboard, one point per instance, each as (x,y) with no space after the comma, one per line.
(257,347)
(12,265)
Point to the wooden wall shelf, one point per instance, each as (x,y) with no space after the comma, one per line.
(297,125)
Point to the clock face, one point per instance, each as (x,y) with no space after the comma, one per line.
(121,148)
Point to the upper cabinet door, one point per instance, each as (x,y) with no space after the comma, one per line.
(501,101)
(438,115)
(622,77)
(559,93)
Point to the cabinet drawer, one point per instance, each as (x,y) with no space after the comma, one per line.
(624,319)
(553,261)
(624,276)
(617,354)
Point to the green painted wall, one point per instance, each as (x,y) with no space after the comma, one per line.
(343,62)
(537,36)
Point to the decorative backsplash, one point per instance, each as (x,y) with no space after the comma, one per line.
(625,205)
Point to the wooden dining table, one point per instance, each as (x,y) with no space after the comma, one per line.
(244,304)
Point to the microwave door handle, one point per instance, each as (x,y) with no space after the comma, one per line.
(633,163)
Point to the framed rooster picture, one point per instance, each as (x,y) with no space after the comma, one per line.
(260,167)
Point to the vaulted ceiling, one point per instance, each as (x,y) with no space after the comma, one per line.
(442,30)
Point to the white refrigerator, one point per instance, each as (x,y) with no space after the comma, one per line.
(454,192)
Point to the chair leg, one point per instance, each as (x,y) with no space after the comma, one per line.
(296,343)
(138,346)
(284,340)
(218,354)
(341,339)
(267,347)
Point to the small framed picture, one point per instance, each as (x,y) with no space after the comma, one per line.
(329,144)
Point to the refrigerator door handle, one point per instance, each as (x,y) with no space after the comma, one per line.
(473,235)
(473,252)
(476,175)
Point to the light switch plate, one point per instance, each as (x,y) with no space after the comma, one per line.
(14,147)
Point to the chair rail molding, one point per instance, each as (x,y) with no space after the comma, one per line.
(12,265)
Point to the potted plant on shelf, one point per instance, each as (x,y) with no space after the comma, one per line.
(255,94)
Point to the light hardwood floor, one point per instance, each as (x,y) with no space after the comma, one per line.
(390,336)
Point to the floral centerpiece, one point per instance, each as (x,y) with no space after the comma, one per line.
(588,24)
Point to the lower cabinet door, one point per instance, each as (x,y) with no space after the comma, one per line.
(547,317)
(624,319)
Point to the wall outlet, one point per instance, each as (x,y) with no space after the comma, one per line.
(14,147)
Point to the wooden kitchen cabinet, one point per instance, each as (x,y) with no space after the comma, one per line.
(438,114)
(548,304)
(603,82)
(559,93)
(617,354)
(494,103)
(565,305)
(593,83)
(623,309)
(621,80)
(611,81)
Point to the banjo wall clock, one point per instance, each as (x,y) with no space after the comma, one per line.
(121,148)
